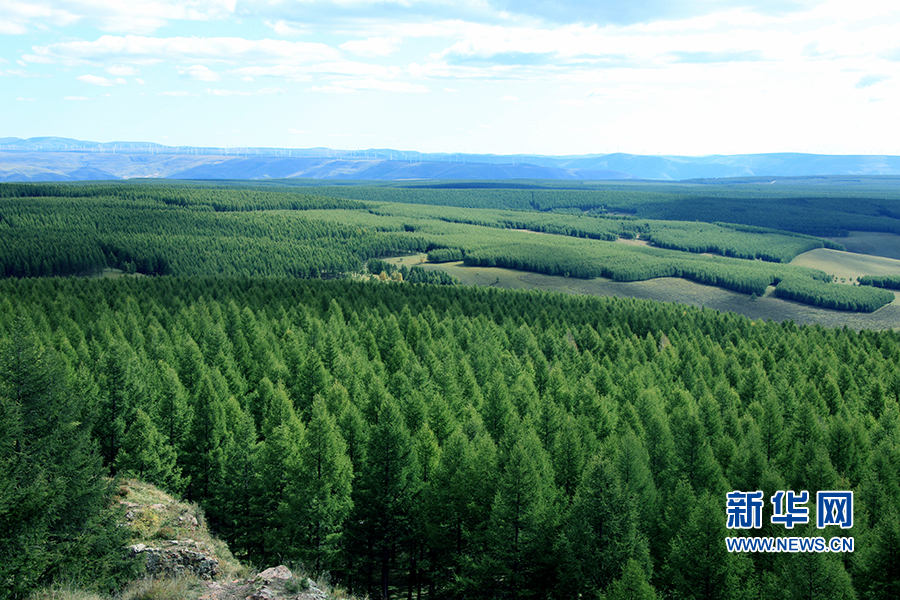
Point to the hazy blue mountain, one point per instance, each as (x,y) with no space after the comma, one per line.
(65,159)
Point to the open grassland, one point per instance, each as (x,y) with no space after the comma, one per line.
(669,289)
(847,266)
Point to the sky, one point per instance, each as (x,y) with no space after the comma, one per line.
(693,77)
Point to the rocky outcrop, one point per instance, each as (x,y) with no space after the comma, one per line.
(276,583)
(178,557)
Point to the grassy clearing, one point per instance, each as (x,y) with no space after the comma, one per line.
(64,592)
(670,289)
(847,266)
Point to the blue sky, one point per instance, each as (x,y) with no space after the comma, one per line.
(490,76)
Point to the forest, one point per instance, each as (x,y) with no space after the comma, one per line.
(421,441)
(159,228)
(258,356)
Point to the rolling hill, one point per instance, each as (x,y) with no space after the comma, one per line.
(66,159)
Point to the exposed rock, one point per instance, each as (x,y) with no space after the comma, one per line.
(272,573)
(263,593)
(180,559)
(188,521)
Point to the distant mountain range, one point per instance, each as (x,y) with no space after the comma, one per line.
(64,159)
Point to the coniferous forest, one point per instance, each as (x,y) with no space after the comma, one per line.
(423,441)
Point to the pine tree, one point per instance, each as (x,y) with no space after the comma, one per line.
(318,494)
(123,391)
(810,576)
(523,518)
(278,460)
(204,456)
(173,411)
(601,532)
(147,456)
(231,508)
(699,566)
(54,498)
(879,565)
(633,585)
(447,505)
(383,497)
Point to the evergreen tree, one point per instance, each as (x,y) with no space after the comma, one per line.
(601,532)
(523,519)
(204,456)
(173,411)
(879,565)
(231,507)
(147,456)
(699,566)
(383,497)
(318,494)
(123,391)
(810,576)
(633,585)
(54,517)
(447,503)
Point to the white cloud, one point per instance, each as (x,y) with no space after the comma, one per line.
(332,89)
(200,73)
(229,93)
(121,70)
(151,50)
(356,85)
(21,99)
(17,17)
(869,80)
(101,81)
(260,92)
(140,81)
(19,73)
(177,94)
(373,46)
(284,28)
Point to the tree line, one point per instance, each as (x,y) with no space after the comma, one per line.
(177,229)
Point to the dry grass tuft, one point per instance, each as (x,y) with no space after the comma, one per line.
(177,588)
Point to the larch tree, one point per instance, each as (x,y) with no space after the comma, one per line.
(319,492)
